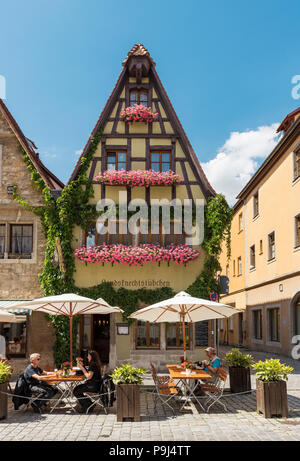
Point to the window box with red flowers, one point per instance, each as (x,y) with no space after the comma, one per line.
(138,178)
(137,255)
(138,113)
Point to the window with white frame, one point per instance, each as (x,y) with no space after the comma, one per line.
(297,231)
(239,265)
(297,163)
(252,257)
(240,222)
(255,205)
(271,246)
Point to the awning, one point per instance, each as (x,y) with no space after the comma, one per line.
(8,302)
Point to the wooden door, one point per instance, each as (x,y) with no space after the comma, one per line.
(100,337)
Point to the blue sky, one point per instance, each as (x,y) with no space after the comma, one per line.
(226,65)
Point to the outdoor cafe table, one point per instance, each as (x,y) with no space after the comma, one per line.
(189,381)
(69,383)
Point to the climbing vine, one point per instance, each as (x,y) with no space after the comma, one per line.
(59,218)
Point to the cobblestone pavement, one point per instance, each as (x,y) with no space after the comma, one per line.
(240,423)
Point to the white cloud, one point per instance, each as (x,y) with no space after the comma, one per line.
(239,158)
(78,153)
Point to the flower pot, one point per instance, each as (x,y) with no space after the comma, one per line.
(3,401)
(271,398)
(187,371)
(239,379)
(128,401)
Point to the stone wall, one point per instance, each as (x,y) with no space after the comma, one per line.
(19,277)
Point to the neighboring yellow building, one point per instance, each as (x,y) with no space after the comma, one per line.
(161,146)
(268,290)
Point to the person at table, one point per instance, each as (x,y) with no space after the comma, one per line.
(93,382)
(213,363)
(34,377)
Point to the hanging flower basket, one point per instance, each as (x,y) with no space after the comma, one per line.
(138,113)
(137,255)
(138,178)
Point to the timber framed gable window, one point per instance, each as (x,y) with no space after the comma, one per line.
(297,231)
(139,97)
(116,160)
(271,246)
(21,240)
(117,232)
(255,205)
(297,162)
(2,240)
(147,335)
(174,336)
(160,160)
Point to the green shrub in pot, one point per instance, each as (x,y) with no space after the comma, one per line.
(127,374)
(272,370)
(5,372)
(235,358)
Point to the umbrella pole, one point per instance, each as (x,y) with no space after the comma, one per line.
(71,341)
(183,334)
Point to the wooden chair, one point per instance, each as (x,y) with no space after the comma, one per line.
(214,391)
(165,388)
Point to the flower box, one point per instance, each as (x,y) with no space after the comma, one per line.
(138,113)
(137,255)
(138,178)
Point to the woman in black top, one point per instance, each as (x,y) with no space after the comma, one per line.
(93,376)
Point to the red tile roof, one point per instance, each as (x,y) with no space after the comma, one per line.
(289,120)
(138,50)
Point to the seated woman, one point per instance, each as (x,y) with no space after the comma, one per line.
(93,376)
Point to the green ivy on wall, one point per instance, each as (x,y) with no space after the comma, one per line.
(59,218)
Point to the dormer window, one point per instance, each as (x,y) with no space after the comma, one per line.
(138,97)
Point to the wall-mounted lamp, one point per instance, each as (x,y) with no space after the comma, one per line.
(281,287)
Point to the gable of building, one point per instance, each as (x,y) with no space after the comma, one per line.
(139,140)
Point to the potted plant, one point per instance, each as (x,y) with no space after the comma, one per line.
(5,373)
(271,391)
(128,380)
(66,367)
(187,366)
(239,365)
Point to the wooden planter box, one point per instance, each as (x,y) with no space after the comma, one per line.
(128,401)
(239,379)
(3,401)
(271,398)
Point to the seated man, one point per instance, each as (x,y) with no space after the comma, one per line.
(213,363)
(34,378)
(211,366)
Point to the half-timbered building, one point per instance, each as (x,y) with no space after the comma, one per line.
(160,146)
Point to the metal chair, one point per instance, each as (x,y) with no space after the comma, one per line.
(165,388)
(214,391)
(96,400)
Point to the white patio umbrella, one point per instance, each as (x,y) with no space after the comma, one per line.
(69,305)
(7,316)
(183,308)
